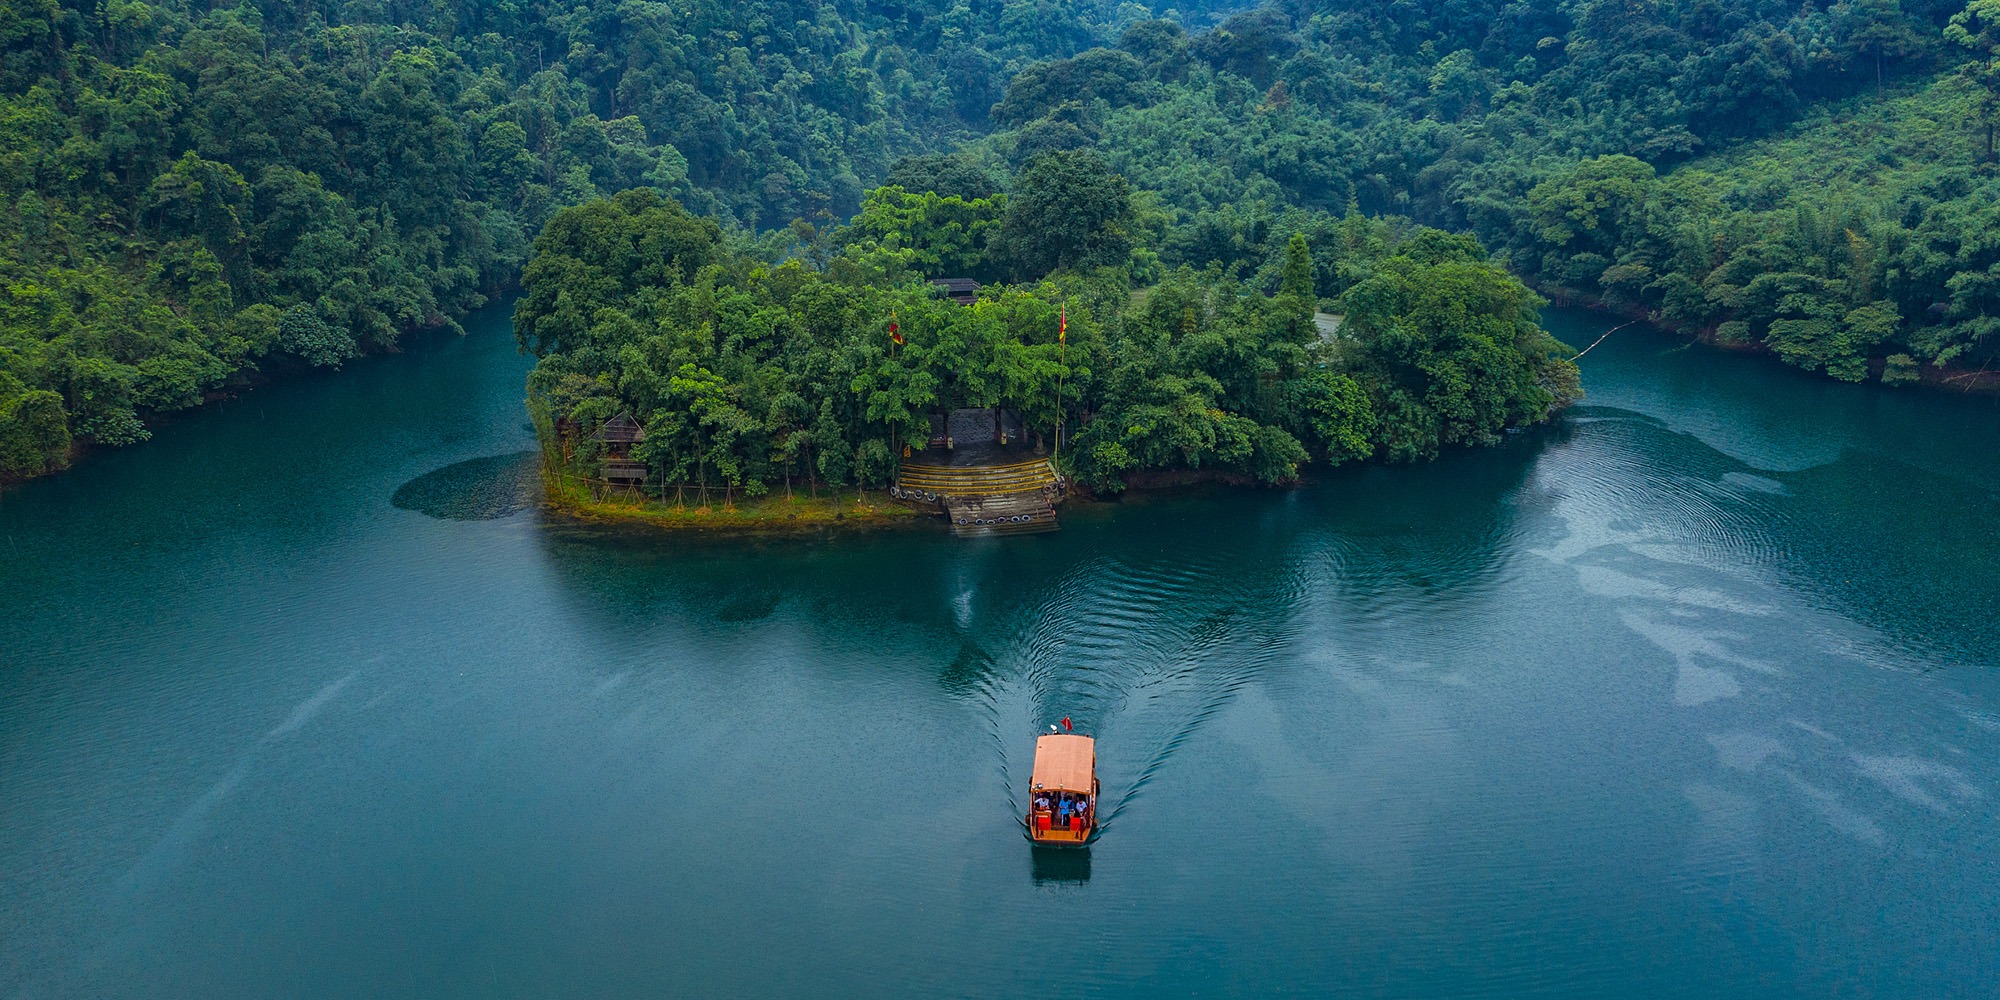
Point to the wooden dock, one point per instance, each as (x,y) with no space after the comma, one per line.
(1014,499)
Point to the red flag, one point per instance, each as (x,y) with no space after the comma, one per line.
(1066,726)
(1062,326)
(895,332)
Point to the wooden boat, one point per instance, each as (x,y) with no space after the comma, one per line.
(1062,794)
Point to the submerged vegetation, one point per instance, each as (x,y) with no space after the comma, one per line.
(194,192)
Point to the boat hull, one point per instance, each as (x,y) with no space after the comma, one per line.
(1062,838)
(1064,845)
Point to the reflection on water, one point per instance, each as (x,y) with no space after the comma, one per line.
(1688,691)
(1141,622)
(1059,866)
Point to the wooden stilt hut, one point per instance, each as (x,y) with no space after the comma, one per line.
(618,435)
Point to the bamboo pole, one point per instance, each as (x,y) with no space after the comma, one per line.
(1062,354)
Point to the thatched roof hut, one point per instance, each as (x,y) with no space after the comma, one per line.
(619,431)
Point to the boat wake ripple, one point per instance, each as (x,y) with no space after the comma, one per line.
(1145,655)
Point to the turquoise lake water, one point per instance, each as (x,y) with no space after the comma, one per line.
(1690,694)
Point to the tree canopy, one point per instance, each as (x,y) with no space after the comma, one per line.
(752,373)
(1815,180)
(194,193)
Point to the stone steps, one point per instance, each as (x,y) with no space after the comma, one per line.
(976,480)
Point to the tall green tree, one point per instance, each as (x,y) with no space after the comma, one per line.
(1067,211)
(1977,28)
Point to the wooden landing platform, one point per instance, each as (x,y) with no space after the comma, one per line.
(1013,499)
(1011,514)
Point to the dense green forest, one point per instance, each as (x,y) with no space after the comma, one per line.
(1604,150)
(199,191)
(750,373)
(192,192)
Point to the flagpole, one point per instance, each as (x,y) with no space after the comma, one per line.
(1062,361)
(1063,355)
(895,341)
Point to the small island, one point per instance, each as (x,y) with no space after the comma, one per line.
(690,375)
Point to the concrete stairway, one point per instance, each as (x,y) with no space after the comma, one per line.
(1011,499)
(977,480)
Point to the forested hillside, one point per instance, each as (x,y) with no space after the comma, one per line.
(1610,152)
(192,191)
(198,191)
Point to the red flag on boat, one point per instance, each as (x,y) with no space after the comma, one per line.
(1066,725)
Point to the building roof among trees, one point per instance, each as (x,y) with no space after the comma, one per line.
(621,429)
(963,291)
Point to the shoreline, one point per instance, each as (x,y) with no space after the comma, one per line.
(1963,381)
(1966,381)
(268,372)
(771,514)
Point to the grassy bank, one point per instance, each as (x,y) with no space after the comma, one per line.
(775,512)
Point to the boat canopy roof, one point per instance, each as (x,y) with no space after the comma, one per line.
(1065,763)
